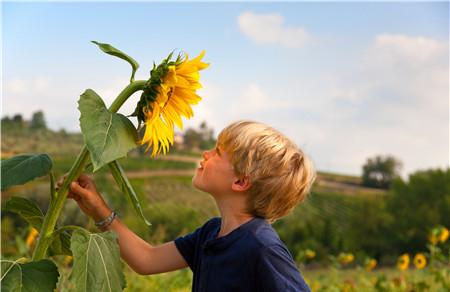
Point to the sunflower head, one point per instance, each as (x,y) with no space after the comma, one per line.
(444,234)
(31,238)
(310,254)
(403,262)
(438,234)
(152,86)
(167,96)
(420,261)
(370,264)
(345,258)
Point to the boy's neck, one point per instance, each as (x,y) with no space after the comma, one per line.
(233,215)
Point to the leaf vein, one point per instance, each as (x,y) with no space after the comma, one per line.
(104,264)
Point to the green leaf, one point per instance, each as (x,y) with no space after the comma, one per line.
(27,209)
(126,187)
(24,168)
(31,212)
(39,276)
(107,48)
(11,276)
(108,136)
(61,244)
(96,262)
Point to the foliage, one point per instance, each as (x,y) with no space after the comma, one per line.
(97,265)
(24,168)
(18,277)
(201,139)
(416,206)
(108,136)
(379,172)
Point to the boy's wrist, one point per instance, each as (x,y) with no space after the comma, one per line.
(102,214)
(105,223)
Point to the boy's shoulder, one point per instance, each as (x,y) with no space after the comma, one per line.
(262,236)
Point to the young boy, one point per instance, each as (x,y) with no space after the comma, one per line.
(256,175)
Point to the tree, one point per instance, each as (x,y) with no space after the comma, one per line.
(38,121)
(379,172)
(201,139)
(192,139)
(418,205)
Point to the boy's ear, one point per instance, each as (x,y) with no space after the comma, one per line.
(241,184)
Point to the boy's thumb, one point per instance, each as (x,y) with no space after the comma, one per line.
(76,188)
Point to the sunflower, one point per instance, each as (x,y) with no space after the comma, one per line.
(167,96)
(32,235)
(345,258)
(420,261)
(370,264)
(403,262)
(310,254)
(444,234)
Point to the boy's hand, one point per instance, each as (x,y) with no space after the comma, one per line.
(84,192)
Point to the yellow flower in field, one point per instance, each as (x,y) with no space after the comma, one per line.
(32,235)
(444,234)
(370,264)
(420,261)
(67,260)
(168,96)
(315,286)
(345,258)
(403,262)
(310,254)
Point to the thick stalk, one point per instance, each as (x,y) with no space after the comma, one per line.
(54,210)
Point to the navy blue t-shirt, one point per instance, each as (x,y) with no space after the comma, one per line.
(250,258)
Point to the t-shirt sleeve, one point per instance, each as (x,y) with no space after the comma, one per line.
(186,246)
(277,271)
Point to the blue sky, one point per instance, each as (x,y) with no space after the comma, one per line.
(346,81)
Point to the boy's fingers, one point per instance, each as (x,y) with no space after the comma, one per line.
(73,196)
(77,189)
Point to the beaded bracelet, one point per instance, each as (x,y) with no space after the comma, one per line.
(107,221)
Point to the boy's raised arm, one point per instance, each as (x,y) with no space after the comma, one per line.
(142,257)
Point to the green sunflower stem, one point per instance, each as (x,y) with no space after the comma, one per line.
(56,205)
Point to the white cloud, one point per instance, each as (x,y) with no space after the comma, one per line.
(394,100)
(38,84)
(270,28)
(407,48)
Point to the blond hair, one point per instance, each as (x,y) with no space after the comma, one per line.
(281,175)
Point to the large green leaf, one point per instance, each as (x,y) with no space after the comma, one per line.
(96,262)
(126,187)
(27,209)
(108,136)
(24,168)
(39,276)
(31,212)
(107,48)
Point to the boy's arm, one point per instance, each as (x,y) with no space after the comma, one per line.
(144,258)
(139,255)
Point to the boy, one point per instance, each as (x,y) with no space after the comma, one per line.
(256,175)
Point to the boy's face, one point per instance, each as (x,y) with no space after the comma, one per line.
(215,174)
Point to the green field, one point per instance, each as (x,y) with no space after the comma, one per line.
(339,216)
